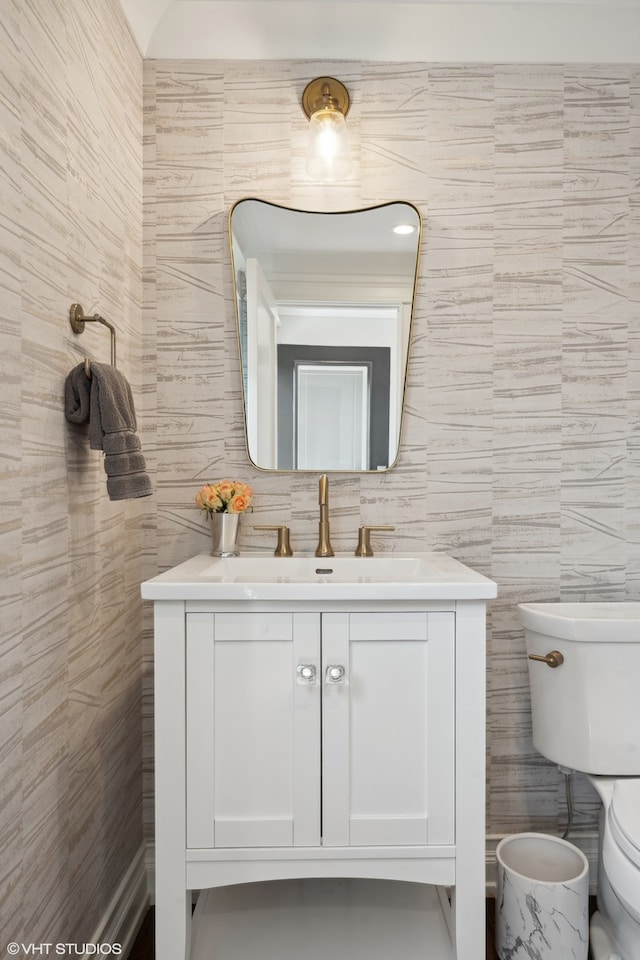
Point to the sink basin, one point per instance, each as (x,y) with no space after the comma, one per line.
(420,576)
(313,569)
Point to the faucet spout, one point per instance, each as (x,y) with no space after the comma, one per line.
(324,548)
(323,490)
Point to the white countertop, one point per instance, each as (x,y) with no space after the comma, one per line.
(396,576)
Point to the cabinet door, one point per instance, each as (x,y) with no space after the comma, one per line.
(388,728)
(253,730)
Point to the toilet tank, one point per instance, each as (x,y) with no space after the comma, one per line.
(586,712)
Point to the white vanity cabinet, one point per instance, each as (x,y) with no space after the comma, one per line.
(320,737)
(319,729)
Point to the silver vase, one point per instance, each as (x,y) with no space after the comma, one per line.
(224,534)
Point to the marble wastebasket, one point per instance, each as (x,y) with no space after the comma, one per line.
(542,899)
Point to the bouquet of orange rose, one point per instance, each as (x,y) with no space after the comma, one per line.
(228,496)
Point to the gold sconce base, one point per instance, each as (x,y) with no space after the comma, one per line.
(314,94)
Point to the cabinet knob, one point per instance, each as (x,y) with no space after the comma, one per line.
(335,673)
(306,673)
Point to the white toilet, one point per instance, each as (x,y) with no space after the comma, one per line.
(584,674)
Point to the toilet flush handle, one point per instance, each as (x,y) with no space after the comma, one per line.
(553,659)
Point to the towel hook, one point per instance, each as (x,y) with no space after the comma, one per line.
(77,319)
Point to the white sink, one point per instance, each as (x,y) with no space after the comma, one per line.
(312,569)
(430,576)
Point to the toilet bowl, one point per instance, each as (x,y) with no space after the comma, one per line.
(614,929)
(586,716)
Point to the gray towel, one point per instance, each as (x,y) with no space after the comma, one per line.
(105,402)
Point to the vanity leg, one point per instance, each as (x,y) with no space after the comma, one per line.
(469,910)
(172,900)
(173,925)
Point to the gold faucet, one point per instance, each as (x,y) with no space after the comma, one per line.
(324,548)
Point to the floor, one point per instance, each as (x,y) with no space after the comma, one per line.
(144,947)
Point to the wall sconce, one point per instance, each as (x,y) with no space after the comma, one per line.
(326,102)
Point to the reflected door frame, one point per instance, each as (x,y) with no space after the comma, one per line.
(329,437)
(380,359)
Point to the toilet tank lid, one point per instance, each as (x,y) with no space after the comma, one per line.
(615,622)
(624,816)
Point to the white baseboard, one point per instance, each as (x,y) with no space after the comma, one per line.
(150,866)
(122,918)
(586,841)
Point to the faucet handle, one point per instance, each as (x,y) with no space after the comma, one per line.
(283,547)
(364,540)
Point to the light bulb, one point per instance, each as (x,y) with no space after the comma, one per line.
(328,154)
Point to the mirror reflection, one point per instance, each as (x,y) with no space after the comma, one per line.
(323,305)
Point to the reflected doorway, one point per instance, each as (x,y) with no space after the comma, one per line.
(332,427)
(376,360)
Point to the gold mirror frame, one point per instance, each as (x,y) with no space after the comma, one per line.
(255,253)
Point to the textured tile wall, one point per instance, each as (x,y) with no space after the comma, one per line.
(70,614)
(520,451)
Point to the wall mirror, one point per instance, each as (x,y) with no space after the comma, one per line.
(324,305)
